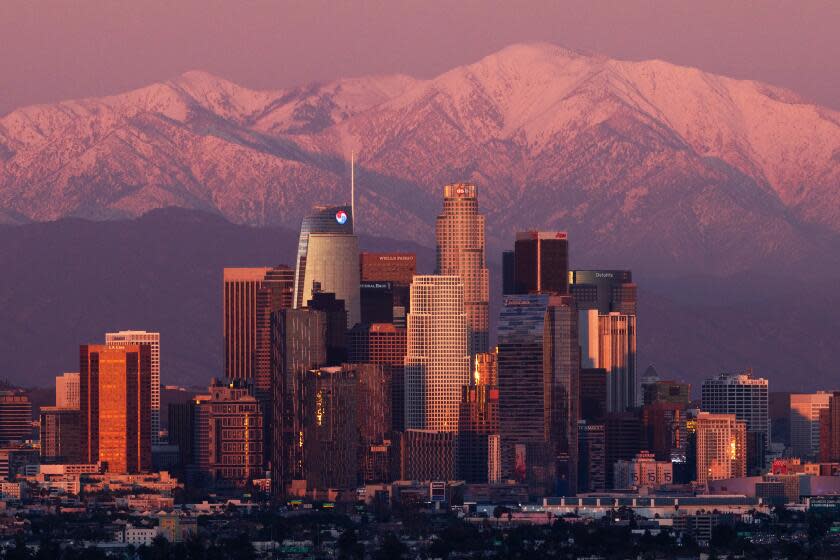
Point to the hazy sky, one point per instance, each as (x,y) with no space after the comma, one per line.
(51,50)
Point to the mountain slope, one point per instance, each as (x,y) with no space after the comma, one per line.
(665,167)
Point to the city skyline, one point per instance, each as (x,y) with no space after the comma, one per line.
(289,280)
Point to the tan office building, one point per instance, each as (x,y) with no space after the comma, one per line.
(721,447)
(461,252)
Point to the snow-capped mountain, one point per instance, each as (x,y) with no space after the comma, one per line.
(645,163)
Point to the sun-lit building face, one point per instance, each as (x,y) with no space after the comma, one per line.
(115,406)
(721,447)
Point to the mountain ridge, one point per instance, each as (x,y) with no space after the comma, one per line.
(648,158)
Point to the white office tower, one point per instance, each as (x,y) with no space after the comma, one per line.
(121,338)
(740,394)
(328,255)
(805,423)
(609,342)
(437,361)
(67,390)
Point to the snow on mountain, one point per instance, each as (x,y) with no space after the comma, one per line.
(677,167)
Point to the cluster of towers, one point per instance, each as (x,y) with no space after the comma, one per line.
(356,356)
(350,368)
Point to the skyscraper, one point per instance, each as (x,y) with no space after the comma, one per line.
(478,428)
(740,394)
(541,262)
(508,273)
(721,447)
(335,315)
(331,434)
(830,430)
(665,430)
(121,338)
(15,416)
(624,437)
(328,253)
(538,369)
(67,390)
(383,344)
(617,355)
(607,291)
(250,296)
(373,413)
(437,361)
(459,231)
(229,424)
(591,457)
(115,406)
(593,394)
(59,435)
(298,344)
(805,422)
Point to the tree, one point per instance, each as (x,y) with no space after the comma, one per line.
(20,551)
(349,545)
(724,536)
(390,548)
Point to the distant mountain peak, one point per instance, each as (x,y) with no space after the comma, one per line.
(687,167)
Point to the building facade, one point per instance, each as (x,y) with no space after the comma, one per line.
(591,457)
(538,371)
(298,342)
(721,447)
(60,435)
(541,262)
(67,390)
(617,355)
(805,422)
(398,268)
(643,471)
(115,407)
(608,291)
(478,429)
(383,344)
(250,296)
(740,394)
(830,430)
(459,231)
(115,339)
(328,254)
(15,417)
(229,423)
(437,361)
(428,455)
(331,435)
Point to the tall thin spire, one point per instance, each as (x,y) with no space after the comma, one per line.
(353,188)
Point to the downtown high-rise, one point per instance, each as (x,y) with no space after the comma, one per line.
(740,394)
(250,296)
(459,232)
(721,447)
(437,361)
(328,259)
(538,376)
(121,338)
(540,262)
(115,406)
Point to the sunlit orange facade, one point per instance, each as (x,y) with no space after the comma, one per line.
(115,407)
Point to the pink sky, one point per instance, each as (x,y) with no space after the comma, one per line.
(52,50)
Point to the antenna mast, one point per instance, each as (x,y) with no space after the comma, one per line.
(353,188)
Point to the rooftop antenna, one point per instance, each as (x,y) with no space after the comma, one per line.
(353,188)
